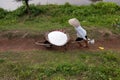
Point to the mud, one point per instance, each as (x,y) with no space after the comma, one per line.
(28,44)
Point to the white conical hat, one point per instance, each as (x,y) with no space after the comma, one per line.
(74,22)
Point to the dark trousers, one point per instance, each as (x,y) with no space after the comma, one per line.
(80,39)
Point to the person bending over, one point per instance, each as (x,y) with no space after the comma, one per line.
(81,32)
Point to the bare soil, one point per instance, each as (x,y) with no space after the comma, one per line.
(28,44)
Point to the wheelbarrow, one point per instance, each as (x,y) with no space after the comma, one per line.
(54,38)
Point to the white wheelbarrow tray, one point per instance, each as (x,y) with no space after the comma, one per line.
(57,38)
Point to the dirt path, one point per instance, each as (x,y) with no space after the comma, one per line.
(26,44)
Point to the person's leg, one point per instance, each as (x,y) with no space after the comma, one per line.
(78,40)
(86,41)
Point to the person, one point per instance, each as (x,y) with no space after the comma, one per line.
(81,32)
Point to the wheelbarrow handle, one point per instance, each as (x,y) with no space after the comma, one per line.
(42,44)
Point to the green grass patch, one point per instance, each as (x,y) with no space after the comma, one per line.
(56,65)
(49,17)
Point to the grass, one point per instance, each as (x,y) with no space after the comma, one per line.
(56,65)
(49,17)
(41,23)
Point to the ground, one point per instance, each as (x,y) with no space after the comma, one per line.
(24,43)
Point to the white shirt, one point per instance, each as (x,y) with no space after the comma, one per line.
(81,32)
